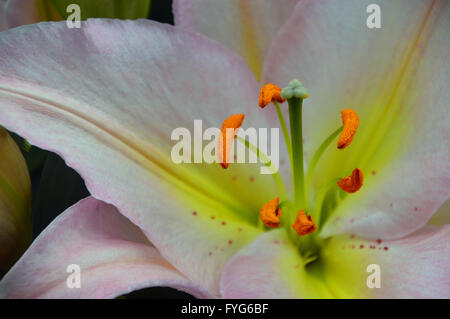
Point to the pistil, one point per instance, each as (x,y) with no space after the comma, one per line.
(294,93)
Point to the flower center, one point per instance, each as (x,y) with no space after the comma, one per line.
(298,217)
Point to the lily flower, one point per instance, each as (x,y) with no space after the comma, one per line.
(15,203)
(106,97)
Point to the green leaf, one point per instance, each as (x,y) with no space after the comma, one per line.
(120,9)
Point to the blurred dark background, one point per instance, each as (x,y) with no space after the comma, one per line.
(56,187)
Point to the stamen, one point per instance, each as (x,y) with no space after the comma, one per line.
(269,93)
(352,183)
(266,161)
(351,122)
(303,224)
(270,213)
(228,132)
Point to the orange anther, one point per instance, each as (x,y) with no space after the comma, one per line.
(351,123)
(228,132)
(352,183)
(303,224)
(269,93)
(270,213)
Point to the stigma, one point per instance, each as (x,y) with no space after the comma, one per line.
(294,89)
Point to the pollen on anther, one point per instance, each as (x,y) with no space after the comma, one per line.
(350,121)
(269,93)
(352,183)
(270,213)
(304,224)
(228,132)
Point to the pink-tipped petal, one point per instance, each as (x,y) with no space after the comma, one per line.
(107,97)
(270,267)
(417,266)
(246,26)
(113,255)
(396,79)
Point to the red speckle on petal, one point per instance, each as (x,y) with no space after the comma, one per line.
(194,213)
(234,178)
(386,248)
(210,254)
(252,179)
(239,229)
(390,205)
(276,242)
(361,246)
(379,241)
(416,209)
(352,236)
(372,246)
(223,223)
(296,266)
(213,217)
(230,242)
(353,246)
(374,172)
